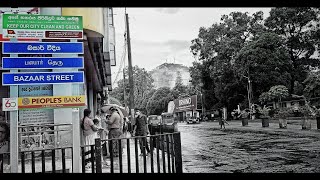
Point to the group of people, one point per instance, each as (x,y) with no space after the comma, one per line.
(111,124)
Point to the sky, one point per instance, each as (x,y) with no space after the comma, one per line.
(160,35)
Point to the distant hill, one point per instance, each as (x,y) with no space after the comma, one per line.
(165,75)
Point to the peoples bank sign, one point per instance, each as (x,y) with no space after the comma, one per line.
(185,104)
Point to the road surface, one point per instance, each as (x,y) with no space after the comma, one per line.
(250,149)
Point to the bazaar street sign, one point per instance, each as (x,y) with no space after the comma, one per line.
(35,78)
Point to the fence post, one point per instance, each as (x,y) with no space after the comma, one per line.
(98,155)
(177,149)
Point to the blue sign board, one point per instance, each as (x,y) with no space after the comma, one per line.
(41,62)
(42,48)
(34,78)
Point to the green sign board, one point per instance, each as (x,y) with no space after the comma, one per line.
(42,26)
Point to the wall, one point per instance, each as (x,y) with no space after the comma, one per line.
(92,17)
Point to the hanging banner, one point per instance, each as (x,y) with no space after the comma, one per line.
(42,48)
(51,102)
(42,26)
(42,62)
(35,78)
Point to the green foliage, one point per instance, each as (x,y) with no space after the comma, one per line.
(298,26)
(284,113)
(277,92)
(143,85)
(158,103)
(217,47)
(312,85)
(264,111)
(263,59)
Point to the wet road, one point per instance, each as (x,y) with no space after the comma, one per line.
(207,149)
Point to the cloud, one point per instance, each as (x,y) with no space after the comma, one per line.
(168,10)
(178,45)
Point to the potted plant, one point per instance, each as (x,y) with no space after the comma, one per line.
(264,116)
(308,115)
(282,115)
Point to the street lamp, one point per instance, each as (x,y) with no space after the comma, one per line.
(249,95)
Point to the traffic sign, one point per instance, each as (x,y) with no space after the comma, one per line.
(34,78)
(41,62)
(9,104)
(42,48)
(42,26)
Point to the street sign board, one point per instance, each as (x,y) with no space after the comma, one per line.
(42,26)
(42,48)
(51,102)
(35,78)
(42,62)
(9,104)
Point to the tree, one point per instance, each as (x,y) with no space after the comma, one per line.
(299,26)
(143,84)
(216,47)
(277,92)
(312,86)
(265,61)
(158,103)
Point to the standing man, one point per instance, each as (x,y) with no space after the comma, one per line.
(141,129)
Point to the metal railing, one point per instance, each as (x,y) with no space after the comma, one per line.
(164,157)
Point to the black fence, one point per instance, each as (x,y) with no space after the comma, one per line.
(164,157)
(42,161)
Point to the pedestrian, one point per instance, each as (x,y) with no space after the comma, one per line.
(98,122)
(4,147)
(4,138)
(89,131)
(141,129)
(114,126)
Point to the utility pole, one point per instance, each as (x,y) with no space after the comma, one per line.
(124,88)
(131,99)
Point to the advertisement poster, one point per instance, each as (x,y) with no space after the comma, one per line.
(19,10)
(42,26)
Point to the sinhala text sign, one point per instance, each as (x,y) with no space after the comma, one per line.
(42,26)
(9,104)
(51,102)
(42,48)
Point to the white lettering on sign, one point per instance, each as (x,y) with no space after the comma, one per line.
(183,102)
(35,48)
(60,77)
(32,63)
(55,63)
(28,78)
(53,48)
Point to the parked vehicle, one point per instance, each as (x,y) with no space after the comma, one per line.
(154,122)
(193,120)
(168,123)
